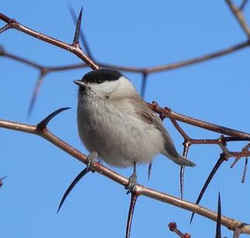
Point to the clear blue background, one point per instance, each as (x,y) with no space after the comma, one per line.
(131,33)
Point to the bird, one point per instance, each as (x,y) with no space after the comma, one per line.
(115,123)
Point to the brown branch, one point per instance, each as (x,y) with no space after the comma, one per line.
(75,49)
(166,112)
(197,60)
(199,123)
(139,189)
(43,69)
(146,70)
(221,142)
(21,60)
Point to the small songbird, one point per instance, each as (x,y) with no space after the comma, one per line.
(115,122)
(117,125)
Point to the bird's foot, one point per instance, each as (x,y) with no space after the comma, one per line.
(132,181)
(91,159)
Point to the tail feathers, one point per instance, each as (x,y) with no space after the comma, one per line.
(182,161)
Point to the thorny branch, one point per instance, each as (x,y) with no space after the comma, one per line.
(144,70)
(139,189)
(74,48)
(41,130)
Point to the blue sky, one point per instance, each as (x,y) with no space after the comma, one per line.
(130,33)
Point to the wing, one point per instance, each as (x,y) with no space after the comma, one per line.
(150,117)
(136,107)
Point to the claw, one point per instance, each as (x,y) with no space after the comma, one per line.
(132,181)
(91,158)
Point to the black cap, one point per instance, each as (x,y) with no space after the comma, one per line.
(101,75)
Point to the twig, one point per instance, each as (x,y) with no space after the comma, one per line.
(72,48)
(147,70)
(199,123)
(131,213)
(239,17)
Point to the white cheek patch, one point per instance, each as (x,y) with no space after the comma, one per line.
(106,87)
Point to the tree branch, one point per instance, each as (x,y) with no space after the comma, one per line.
(139,189)
(75,49)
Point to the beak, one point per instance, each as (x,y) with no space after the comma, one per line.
(80,83)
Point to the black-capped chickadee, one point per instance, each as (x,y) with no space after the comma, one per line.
(115,122)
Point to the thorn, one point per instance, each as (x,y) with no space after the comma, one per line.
(78,29)
(218,221)
(210,177)
(72,185)
(234,162)
(2,51)
(43,124)
(243,4)
(244,171)
(131,213)
(149,170)
(182,171)
(35,94)
(5,28)
(1,180)
(82,35)
(143,85)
